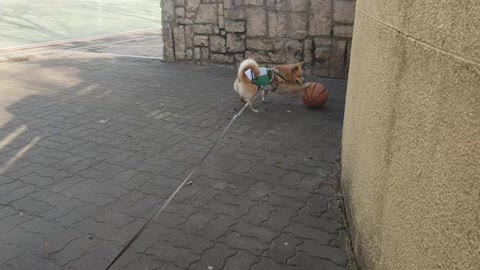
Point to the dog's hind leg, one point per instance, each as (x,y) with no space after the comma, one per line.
(251,107)
(264,95)
(250,103)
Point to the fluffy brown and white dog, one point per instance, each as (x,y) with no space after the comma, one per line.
(292,80)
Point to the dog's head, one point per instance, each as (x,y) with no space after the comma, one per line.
(293,73)
(297,73)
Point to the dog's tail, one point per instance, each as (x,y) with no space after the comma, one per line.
(245,65)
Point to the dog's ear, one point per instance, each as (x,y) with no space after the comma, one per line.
(297,67)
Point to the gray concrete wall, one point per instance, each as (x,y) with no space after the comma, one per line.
(224,32)
(411,139)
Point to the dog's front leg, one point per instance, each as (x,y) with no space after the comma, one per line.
(292,88)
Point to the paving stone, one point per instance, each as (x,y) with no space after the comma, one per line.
(292,180)
(77,214)
(170,266)
(86,261)
(143,207)
(91,227)
(322,223)
(5,180)
(334,211)
(259,190)
(24,168)
(280,218)
(242,260)
(336,255)
(304,261)
(22,239)
(49,197)
(79,187)
(17,194)
(203,196)
(181,256)
(267,263)
(231,199)
(217,227)
(293,193)
(171,220)
(6,211)
(317,205)
(215,257)
(61,209)
(240,186)
(30,261)
(145,262)
(302,231)
(260,213)
(283,247)
(126,232)
(154,234)
(135,181)
(37,180)
(198,221)
(41,227)
(282,201)
(219,207)
(111,190)
(9,252)
(309,183)
(94,196)
(74,250)
(182,209)
(238,241)
(260,232)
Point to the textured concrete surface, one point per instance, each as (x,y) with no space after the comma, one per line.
(145,43)
(410,142)
(91,146)
(25,22)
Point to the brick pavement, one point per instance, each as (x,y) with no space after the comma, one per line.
(90,146)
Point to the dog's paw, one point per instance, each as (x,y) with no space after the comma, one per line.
(264,100)
(306,85)
(255,110)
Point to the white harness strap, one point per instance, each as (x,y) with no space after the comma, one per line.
(249,73)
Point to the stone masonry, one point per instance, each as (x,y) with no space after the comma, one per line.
(224,32)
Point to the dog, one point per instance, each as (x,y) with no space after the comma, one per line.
(287,78)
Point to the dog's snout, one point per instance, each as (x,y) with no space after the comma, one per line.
(300,81)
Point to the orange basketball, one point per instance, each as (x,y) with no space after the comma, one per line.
(315,95)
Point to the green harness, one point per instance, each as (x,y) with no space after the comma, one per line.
(266,79)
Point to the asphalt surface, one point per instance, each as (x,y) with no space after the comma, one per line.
(24,22)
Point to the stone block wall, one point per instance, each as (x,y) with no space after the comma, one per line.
(224,32)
